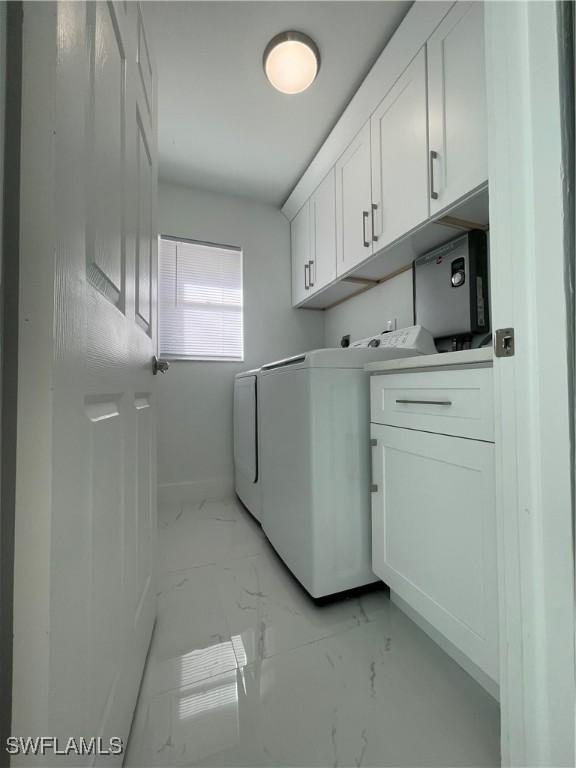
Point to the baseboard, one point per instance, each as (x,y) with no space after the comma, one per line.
(461,659)
(196,491)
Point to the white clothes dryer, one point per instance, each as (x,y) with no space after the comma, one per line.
(246,441)
(315,459)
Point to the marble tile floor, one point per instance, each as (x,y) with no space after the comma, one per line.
(246,670)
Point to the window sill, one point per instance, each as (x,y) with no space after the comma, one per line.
(180,359)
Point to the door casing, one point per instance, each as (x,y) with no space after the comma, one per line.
(11,73)
(529,177)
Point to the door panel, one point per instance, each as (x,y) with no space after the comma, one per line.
(145,65)
(323,223)
(145,500)
(87,453)
(301,255)
(457,104)
(400,155)
(105,230)
(106,516)
(145,237)
(354,203)
(434,534)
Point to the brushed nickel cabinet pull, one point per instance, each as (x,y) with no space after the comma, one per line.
(433,156)
(365,215)
(425,402)
(373,486)
(374,235)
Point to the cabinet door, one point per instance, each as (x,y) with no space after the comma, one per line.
(301,256)
(433,534)
(457,106)
(354,203)
(323,227)
(400,155)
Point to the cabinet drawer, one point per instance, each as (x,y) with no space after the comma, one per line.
(450,402)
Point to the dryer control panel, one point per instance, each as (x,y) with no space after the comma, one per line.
(415,337)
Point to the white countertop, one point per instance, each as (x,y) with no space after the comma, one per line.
(465,357)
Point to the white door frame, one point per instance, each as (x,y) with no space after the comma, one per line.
(529,216)
(10,102)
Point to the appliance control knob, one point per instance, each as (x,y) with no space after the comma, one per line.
(458,278)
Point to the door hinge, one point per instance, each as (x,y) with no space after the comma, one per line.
(504,342)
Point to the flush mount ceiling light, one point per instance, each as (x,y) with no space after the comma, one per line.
(291,62)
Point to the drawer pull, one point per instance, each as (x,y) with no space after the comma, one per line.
(425,402)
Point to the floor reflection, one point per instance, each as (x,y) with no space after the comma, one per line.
(244,670)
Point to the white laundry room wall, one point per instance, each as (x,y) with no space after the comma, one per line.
(367,313)
(195,451)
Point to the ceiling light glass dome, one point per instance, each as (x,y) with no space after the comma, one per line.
(291,62)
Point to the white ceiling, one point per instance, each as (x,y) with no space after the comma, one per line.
(222,126)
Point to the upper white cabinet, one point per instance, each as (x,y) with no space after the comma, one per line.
(323,231)
(354,213)
(419,158)
(457,106)
(301,257)
(399,156)
(313,234)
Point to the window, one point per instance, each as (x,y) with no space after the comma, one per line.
(200,301)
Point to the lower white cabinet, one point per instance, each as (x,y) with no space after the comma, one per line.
(434,533)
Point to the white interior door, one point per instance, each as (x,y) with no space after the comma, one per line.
(86,484)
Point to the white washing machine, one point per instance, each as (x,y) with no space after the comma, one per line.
(315,459)
(246,441)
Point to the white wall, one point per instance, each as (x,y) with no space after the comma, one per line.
(367,313)
(195,398)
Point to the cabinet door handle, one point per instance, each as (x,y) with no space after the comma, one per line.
(374,235)
(310,281)
(373,485)
(307,276)
(425,402)
(433,156)
(365,215)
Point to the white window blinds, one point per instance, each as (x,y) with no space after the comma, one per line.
(200,301)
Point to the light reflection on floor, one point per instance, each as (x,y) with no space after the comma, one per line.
(245,670)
